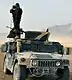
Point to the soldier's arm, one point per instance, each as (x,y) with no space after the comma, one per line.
(11,10)
(21,11)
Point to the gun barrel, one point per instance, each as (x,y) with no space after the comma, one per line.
(9,27)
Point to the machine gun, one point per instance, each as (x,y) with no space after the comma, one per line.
(14,32)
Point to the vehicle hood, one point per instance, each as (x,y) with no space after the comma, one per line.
(48,55)
(38,55)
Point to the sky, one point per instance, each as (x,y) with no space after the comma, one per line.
(37,14)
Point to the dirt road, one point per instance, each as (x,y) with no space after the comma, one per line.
(6,77)
(2,75)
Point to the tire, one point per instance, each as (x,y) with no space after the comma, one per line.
(19,72)
(65,75)
(5,70)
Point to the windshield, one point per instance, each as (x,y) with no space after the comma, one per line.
(39,48)
(47,48)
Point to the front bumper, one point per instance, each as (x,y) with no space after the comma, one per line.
(39,72)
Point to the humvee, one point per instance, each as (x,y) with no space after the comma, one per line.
(35,57)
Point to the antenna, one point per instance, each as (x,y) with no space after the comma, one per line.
(9,27)
(13,2)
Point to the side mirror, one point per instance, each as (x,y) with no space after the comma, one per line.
(62,49)
(4,47)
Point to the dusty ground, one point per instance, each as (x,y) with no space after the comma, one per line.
(70,59)
(2,76)
(6,77)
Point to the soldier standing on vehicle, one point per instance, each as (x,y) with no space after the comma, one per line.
(16,14)
(18,19)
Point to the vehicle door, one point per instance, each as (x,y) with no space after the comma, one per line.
(11,54)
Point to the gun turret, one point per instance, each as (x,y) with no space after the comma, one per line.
(37,35)
(30,35)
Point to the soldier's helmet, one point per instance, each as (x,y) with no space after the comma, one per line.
(17,5)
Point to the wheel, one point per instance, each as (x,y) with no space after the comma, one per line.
(6,71)
(19,72)
(64,75)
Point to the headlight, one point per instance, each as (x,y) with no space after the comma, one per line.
(34,63)
(22,59)
(58,63)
